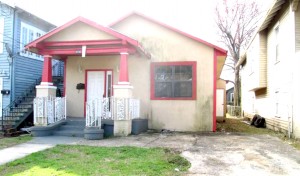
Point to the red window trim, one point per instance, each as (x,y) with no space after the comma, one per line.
(194,82)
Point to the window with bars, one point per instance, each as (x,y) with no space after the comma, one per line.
(173,80)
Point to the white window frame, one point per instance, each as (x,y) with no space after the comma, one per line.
(32,33)
(1,34)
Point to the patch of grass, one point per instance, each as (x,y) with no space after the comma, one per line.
(87,160)
(237,125)
(296,144)
(11,141)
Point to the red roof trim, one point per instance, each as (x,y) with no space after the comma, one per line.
(171,28)
(88,22)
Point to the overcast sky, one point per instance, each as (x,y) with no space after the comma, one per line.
(192,16)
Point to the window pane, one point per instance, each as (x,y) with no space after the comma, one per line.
(24,36)
(183,73)
(163,73)
(163,89)
(183,89)
(30,37)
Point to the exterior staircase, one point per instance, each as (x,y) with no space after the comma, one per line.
(19,110)
(73,128)
(22,107)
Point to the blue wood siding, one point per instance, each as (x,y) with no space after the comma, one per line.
(22,71)
(7,13)
(26,70)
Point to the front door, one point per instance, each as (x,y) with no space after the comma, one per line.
(98,86)
(95,85)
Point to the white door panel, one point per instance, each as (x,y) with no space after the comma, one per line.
(220,102)
(95,84)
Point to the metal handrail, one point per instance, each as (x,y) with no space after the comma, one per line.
(18,100)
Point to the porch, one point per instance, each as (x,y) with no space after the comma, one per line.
(102,115)
(92,64)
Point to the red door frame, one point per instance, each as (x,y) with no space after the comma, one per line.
(85,83)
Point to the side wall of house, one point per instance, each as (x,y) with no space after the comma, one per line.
(168,46)
(296,76)
(7,13)
(275,101)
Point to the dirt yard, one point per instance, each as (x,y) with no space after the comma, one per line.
(220,153)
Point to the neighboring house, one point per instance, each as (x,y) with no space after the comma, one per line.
(19,69)
(230,96)
(172,73)
(270,73)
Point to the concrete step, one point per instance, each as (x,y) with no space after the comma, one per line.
(76,122)
(72,127)
(70,133)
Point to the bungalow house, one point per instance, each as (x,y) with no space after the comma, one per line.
(270,73)
(174,75)
(19,69)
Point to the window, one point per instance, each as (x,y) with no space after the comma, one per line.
(1,34)
(173,80)
(28,34)
(277,54)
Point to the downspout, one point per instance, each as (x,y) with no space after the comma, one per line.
(12,59)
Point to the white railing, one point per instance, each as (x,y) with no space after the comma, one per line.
(234,110)
(47,110)
(93,113)
(111,108)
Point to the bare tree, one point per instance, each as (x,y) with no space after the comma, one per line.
(237,21)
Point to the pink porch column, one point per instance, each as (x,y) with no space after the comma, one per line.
(123,90)
(123,75)
(46,87)
(47,71)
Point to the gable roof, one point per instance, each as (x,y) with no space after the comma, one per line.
(170,28)
(88,22)
(270,15)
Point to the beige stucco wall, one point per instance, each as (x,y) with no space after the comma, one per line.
(80,31)
(75,73)
(166,46)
